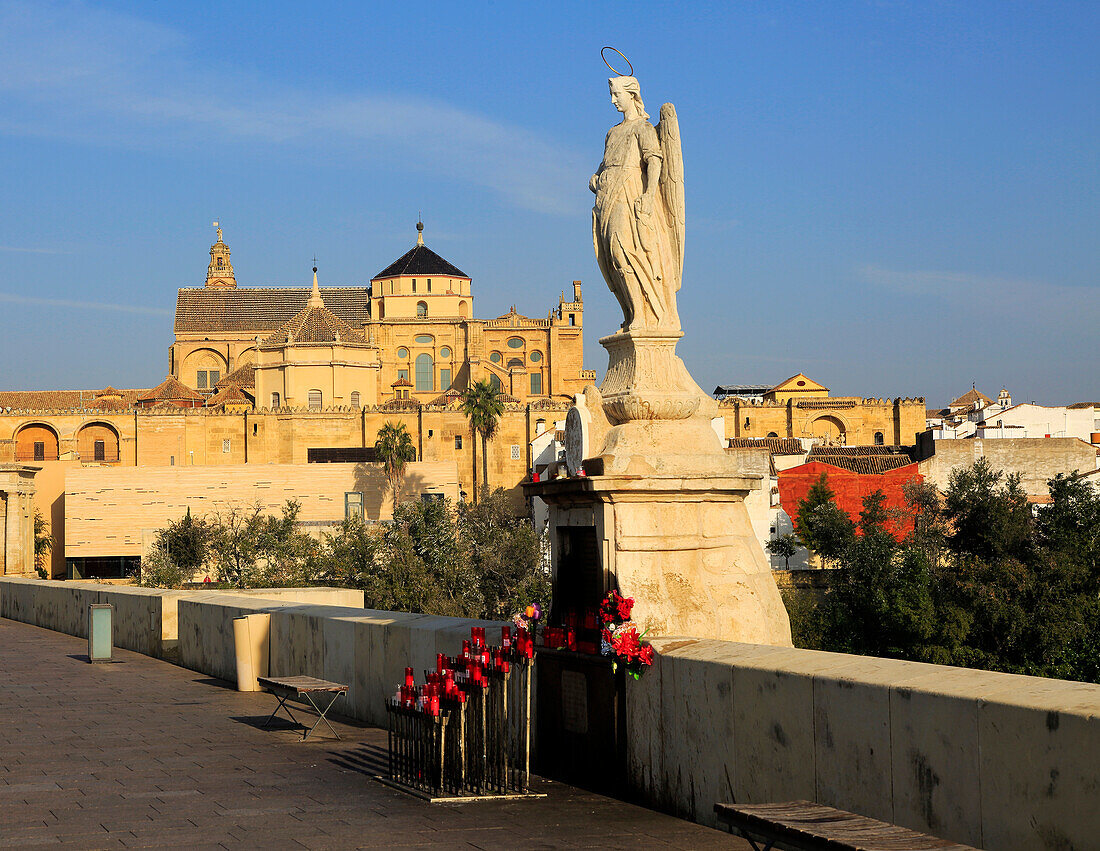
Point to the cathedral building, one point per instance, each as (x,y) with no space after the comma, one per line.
(292,375)
(409,335)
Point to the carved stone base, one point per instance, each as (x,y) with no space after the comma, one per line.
(645,380)
(684,549)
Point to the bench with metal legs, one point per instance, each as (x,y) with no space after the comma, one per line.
(310,689)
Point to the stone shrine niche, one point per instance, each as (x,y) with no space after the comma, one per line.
(579,583)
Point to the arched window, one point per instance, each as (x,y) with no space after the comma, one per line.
(421,309)
(425,373)
(494,381)
(878,438)
(97,442)
(540,426)
(275,400)
(772,434)
(355,398)
(36,443)
(315,400)
(464,309)
(515,362)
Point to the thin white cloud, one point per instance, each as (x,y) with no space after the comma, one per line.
(85,74)
(68,304)
(1020,302)
(17,249)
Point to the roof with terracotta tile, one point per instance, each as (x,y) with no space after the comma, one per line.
(262,309)
(314,324)
(171,389)
(231,395)
(52,400)
(969,398)
(242,376)
(777,445)
(865,464)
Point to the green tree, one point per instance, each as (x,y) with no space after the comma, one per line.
(43,544)
(179,549)
(821,524)
(250,548)
(185,541)
(482,405)
(784,546)
(988,514)
(505,555)
(395,448)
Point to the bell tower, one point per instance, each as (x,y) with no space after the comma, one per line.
(219,274)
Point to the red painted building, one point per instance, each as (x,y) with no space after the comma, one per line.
(849,485)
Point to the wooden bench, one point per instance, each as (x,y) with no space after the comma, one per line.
(303,689)
(806,826)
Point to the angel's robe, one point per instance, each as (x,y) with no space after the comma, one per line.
(634,251)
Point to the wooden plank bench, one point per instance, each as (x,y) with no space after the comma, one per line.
(304,689)
(807,826)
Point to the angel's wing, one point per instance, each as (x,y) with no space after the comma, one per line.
(672,182)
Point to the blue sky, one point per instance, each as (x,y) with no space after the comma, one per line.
(895,198)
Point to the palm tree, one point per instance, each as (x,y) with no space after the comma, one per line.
(395,448)
(482,405)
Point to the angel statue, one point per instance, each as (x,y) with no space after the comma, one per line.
(638,218)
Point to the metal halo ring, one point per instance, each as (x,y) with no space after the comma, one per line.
(612,67)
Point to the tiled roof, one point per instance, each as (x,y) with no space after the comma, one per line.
(420,260)
(46,400)
(776,445)
(969,398)
(448,398)
(262,308)
(853,451)
(171,389)
(865,464)
(231,395)
(315,325)
(1076,406)
(242,376)
(402,382)
(108,391)
(737,389)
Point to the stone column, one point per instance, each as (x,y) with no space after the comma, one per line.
(17,487)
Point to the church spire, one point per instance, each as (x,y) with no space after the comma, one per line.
(315,299)
(420,232)
(219,274)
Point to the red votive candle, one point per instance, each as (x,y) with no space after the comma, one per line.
(506,637)
(465,649)
(409,676)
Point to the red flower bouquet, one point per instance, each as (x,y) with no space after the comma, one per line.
(620,638)
(615,608)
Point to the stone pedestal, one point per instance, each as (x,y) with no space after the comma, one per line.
(660,512)
(682,547)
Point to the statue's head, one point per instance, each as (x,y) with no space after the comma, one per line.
(625,90)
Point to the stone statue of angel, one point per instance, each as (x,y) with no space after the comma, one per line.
(638,218)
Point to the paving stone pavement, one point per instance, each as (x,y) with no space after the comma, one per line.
(140,753)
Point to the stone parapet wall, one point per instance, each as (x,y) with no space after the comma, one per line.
(992,760)
(988,759)
(145,619)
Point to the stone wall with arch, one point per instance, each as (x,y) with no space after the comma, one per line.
(98,442)
(37,441)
